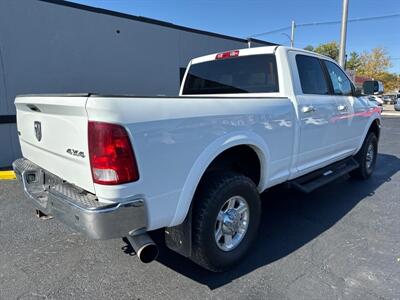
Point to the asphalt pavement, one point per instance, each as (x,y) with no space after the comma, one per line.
(342,241)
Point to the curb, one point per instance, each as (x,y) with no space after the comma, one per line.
(7,175)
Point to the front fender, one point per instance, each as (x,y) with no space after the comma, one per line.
(205,159)
(375,116)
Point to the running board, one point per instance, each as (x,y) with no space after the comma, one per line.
(318,178)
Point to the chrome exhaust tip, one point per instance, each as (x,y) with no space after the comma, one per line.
(144,246)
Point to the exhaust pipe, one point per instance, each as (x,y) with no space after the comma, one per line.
(145,248)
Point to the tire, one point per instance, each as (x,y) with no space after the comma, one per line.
(215,191)
(363,157)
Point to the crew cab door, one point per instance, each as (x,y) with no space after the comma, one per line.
(351,113)
(316,109)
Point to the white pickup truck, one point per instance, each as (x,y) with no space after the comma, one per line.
(194,165)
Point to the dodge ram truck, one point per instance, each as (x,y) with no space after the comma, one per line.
(194,165)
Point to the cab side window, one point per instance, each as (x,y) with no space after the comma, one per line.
(340,83)
(311,74)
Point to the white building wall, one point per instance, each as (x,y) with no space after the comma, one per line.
(51,48)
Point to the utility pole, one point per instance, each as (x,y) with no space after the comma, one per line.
(292,35)
(343,33)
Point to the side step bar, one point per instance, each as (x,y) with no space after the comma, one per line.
(318,178)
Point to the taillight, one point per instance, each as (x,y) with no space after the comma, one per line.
(228,54)
(111,156)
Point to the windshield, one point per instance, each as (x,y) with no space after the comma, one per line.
(243,74)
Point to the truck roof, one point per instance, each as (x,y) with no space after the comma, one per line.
(254,51)
(243,52)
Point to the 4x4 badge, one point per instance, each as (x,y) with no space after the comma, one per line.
(76,153)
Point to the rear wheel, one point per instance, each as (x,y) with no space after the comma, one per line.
(226,216)
(366,157)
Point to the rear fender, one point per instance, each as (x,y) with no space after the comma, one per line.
(208,155)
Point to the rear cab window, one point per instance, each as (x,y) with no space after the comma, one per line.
(236,75)
(311,75)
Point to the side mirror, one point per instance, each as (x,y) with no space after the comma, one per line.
(373,87)
(357,92)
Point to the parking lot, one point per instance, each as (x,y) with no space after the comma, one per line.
(342,241)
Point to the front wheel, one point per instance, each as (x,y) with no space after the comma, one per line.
(226,216)
(366,157)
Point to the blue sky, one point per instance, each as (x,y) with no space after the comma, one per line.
(242,18)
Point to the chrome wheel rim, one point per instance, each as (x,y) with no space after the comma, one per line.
(370,156)
(232,223)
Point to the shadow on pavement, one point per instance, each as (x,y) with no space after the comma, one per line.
(289,221)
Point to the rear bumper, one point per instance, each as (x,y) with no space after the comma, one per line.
(77,208)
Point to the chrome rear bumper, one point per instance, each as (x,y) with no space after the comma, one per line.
(77,208)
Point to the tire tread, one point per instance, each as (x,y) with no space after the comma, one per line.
(204,198)
(361,172)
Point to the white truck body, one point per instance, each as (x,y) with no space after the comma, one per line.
(176,139)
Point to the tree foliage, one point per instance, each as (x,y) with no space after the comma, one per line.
(309,48)
(374,62)
(354,61)
(330,49)
(391,81)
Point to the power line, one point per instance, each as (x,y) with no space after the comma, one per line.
(326,23)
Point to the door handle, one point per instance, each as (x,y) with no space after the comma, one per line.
(308,109)
(342,108)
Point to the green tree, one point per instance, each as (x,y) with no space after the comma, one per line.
(330,49)
(354,61)
(309,48)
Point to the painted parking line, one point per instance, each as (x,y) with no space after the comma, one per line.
(393,114)
(7,175)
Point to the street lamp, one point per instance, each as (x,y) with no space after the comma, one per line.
(291,37)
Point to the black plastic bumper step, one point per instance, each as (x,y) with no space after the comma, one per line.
(318,178)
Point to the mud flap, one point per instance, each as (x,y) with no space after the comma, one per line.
(42,216)
(179,238)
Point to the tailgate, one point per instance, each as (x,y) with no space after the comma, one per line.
(53,134)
